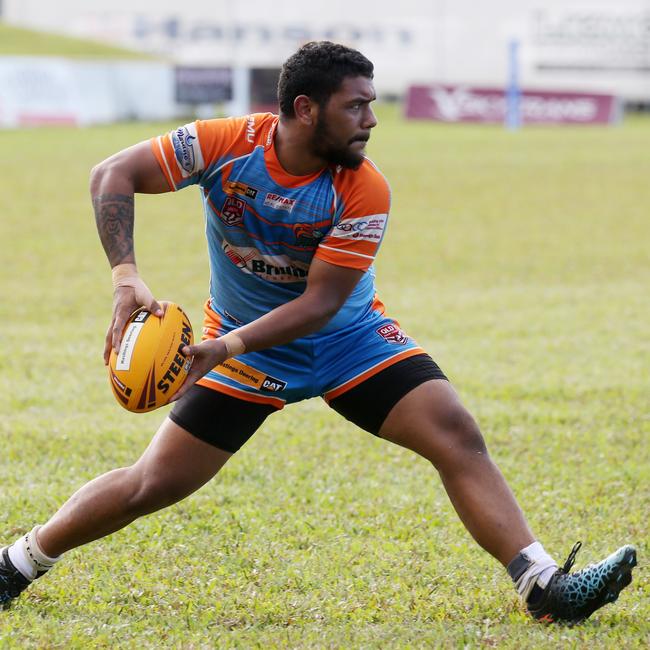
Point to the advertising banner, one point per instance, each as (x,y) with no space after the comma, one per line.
(202,85)
(459,103)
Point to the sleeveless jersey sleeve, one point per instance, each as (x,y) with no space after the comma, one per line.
(363,198)
(189,154)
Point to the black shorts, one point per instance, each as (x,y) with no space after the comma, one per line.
(227,422)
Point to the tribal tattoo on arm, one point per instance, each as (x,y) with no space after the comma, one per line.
(114,218)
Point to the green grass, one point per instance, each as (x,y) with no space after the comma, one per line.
(17,41)
(520,261)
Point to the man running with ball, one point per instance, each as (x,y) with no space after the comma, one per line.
(295,214)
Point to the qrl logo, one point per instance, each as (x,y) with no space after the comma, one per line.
(232,212)
(392,334)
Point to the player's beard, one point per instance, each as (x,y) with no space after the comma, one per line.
(324,145)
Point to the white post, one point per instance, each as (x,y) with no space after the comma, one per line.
(241,92)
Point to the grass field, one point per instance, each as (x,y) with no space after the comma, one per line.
(17,41)
(520,261)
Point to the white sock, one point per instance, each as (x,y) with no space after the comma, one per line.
(542,567)
(26,555)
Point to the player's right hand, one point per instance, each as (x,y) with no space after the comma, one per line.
(129,294)
(205,356)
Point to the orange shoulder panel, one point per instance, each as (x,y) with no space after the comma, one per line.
(362,191)
(365,199)
(235,136)
(222,138)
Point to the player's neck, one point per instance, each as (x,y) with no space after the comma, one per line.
(293,152)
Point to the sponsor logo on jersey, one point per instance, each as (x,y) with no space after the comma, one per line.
(272,271)
(392,334)
(368,228)
(279,202)
(272,385)
(243,258)
(237,187)
(249,376)
(236,258)
(232,212)
(275,268)
(306,235)
(250,129)
(186,152)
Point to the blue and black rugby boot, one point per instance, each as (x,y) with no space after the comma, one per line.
(12,581)
(573,597)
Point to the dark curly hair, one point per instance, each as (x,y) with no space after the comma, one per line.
(317,70)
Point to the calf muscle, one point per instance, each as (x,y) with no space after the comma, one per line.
(173,466)
(431,421)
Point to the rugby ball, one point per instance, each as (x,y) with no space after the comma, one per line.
(149,366)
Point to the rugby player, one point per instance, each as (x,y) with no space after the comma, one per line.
(295,214)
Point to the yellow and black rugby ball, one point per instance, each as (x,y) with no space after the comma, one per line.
(150,367)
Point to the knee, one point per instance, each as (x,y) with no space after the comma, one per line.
(460,437)
(148,492)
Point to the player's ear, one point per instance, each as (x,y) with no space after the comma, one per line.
(306,110)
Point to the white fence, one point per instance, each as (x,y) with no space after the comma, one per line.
(41,90)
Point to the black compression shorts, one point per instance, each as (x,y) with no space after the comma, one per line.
(228,422)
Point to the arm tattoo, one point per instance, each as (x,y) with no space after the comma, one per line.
(114,219)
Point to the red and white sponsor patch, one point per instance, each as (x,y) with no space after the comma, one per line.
(392,334)
(279,202)
(369,228)
(275,268)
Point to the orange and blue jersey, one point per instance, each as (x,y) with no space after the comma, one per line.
(264,227)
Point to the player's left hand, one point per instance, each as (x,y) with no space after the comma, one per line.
(207,355)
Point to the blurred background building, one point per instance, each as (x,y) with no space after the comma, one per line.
(600,46)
